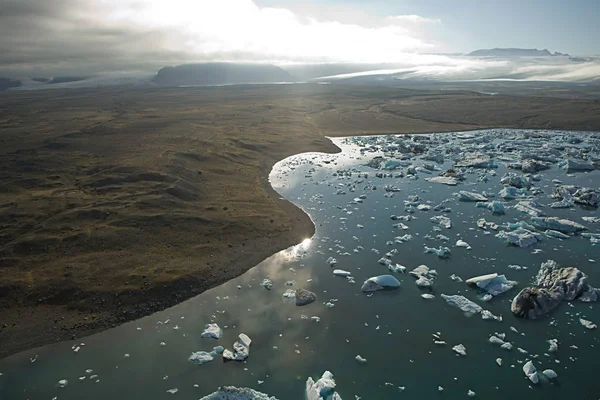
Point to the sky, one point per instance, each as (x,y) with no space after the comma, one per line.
(75,37)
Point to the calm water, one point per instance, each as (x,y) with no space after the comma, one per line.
(392,330)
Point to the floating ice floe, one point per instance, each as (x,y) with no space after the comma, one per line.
(463,195)
(233,393)
(397,268)
(267,283)
(493,284)
(530,372)
(62,383)
(379,283)
(211,331)
(384,261)
(594,238)
(550,374)
(428,296)
(424,275)
(571,194)
(202,357)
(476,162)
(510,192)
(483,224)
(462,243)
(241,349)
(576,165)
(323,389)
(460,349)
(556,234)
(488,316)
(514,180)
(446,180)
(529,207)
(341,272)
(331,261)
(587,324)
(553,345)
(441,252)
(557,224)
(520,237)
(360,359)
(442,221)
(553,285)
(466,305)
(496,207)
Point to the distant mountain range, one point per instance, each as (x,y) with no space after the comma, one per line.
(514,52)
(220,73)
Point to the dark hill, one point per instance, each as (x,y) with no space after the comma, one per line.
(220,74)
(7,83)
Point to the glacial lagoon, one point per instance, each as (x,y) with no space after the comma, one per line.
(371,203)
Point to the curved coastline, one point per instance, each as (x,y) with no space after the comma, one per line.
(184,289)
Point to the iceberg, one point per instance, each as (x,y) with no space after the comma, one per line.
(587,324)
(202,357)
(211,331)
(496,207)
(576,165)
(442,221)
(233,393)
(530,372)
(322,389)
(267,283)
(553,285)
(241,349)
(446,180)
(462,243)
(529,207)
(460,349)
(463,195)
(476,162)
(424,275)
(550,374)
(557,224)
(510,192)
(341,272)
(493,284)
(441,252)
(521,237)
(514,180)
(466,305)
(379,283)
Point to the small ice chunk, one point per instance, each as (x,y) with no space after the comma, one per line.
(442,221)
(499,361)
(493,284)
(463,195)
(530,372)
(341,272)
(323,389)
(462,243)
(62,383)
(360,359)
(397,268)
(428,296)
(331,261)
(460,349)
(241,349)
(471,393)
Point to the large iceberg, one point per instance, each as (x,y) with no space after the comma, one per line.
(493,284)
(553,285)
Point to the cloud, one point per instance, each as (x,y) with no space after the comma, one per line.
(93,36)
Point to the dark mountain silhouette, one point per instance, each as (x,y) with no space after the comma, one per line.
(40,79)
(514,52)
(7,83)
(220,73)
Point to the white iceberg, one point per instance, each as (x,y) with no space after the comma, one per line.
(521,237)
(341,272)
(460,349)
(463,195)
(379,283)
(442,221)
(202,357)
(233,393)
(462,243)
(587,324)
(322,389)
(466,305)
(241,349)
(493,284)
(496,207)
(557,224)
(212,331)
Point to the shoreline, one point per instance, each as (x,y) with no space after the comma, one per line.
(302,227)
